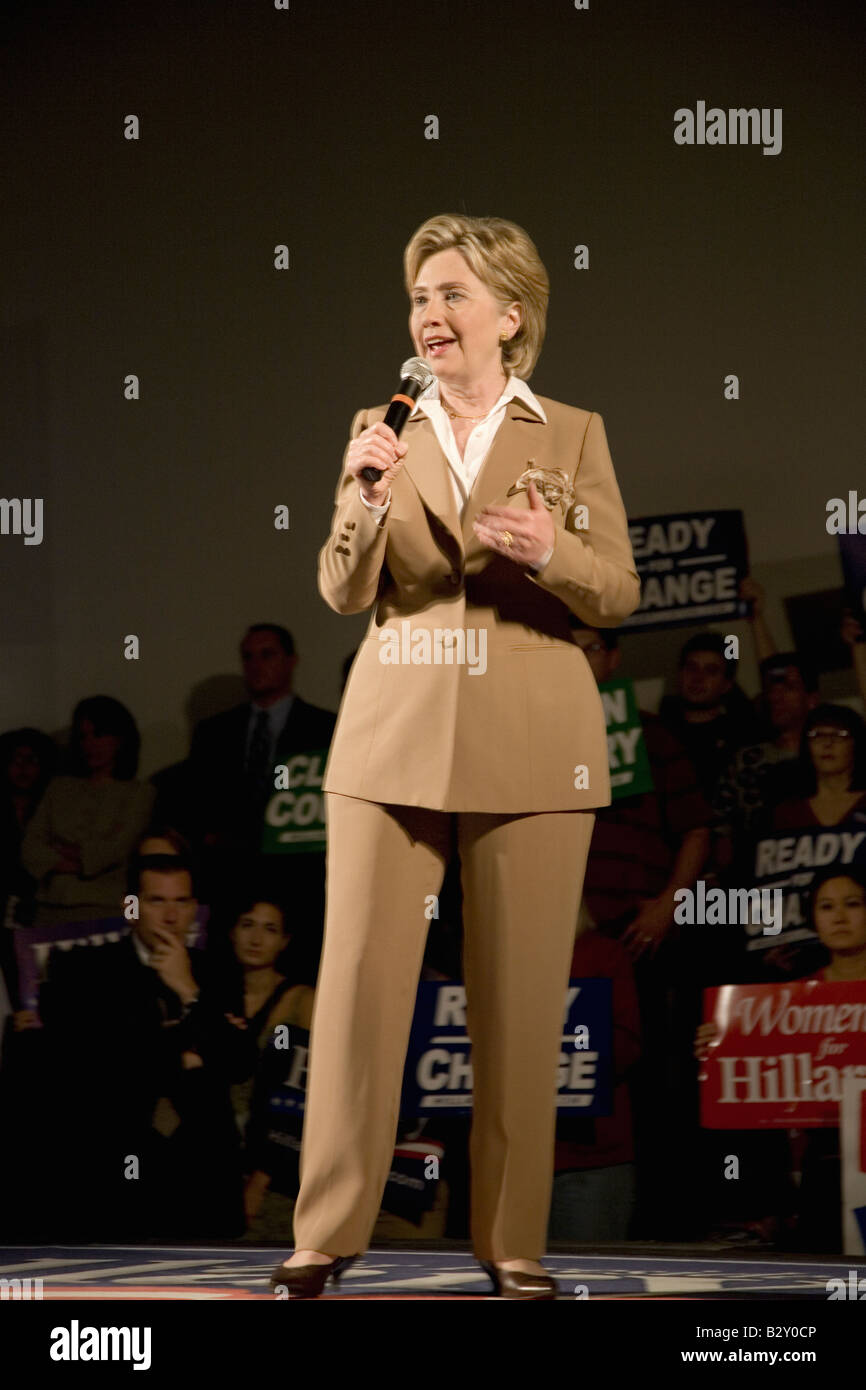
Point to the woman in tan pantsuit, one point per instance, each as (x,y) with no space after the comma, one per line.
(497,514)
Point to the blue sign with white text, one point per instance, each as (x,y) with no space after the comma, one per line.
(438,1074)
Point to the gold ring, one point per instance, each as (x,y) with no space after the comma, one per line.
(506,538)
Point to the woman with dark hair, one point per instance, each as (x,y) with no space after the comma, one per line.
(833,769)
(837,909)
(259,939)
(78,842)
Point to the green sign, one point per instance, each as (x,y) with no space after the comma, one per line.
(630,773)
(294,821)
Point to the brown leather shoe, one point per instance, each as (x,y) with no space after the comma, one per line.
(308,1281)
(512,1283)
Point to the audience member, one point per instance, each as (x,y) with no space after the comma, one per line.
(709,715)
(78,840)
(160,838)
(761,774)
(833,771)
(259,940)
(232,765)
(136,1040)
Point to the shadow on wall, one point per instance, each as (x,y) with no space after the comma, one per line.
(213,695)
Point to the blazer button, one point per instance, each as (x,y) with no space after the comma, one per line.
(454,577)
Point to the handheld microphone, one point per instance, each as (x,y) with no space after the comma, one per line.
(415,378)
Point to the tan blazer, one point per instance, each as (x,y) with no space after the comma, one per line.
(432,728)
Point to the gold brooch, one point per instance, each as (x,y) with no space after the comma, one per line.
(552,484)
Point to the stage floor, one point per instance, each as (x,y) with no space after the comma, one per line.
(116,1273)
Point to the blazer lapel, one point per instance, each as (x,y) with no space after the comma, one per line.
(429,470)
(521,436)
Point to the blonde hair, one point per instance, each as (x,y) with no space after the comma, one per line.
(502,256)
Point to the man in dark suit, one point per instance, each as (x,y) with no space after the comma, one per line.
(140,1058)
(231,770)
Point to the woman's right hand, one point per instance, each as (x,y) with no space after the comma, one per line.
(376,447)
(707,1033)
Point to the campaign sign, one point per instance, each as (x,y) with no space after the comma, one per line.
(783,1053)
(411,1186)
(278,1104)
(33,945)
(294,819)
(788,860)
(284,1065)
(627,757)
(438,1072)
(690,566)
(852,553)
(410,1190)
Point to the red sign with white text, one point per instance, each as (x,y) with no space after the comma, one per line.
(782,1053)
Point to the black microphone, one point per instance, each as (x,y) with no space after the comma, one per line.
(416,376)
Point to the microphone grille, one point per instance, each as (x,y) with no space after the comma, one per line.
(418,369)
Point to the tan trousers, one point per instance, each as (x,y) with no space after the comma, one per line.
(522,880)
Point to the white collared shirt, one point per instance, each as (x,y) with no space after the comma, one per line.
(464,471)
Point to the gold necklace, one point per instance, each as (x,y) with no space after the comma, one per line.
(455,416)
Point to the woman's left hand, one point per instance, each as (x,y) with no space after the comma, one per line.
(532,531)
